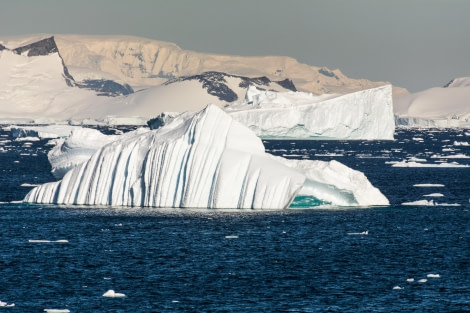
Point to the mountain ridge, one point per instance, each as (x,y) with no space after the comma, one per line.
(142,62)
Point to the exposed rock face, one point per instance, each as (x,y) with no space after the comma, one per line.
(106,87)
(216,84)
(47,46)
(42,47)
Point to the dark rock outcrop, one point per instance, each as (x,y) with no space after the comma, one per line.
(216,84)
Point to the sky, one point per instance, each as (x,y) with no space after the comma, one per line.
(416,44)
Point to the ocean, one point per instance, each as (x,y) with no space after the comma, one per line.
(411,256)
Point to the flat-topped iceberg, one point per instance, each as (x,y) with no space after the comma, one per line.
(202,160)
(366,114)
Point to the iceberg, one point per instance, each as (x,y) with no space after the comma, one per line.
(366,114)
(77,148)
(202,160)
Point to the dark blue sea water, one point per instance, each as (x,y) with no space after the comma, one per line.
(296,260)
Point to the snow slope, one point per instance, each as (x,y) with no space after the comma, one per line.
(202,160)
(447,106)
(366,114)
(142,62)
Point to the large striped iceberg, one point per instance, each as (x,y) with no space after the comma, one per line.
(202,160)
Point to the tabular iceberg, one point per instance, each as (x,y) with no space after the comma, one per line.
(366,114)
(201,160)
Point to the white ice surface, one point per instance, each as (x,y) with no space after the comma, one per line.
(78,147)
(366,114)
(203,160)
(436,107)
(416,164)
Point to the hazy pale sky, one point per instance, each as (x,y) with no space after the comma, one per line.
(416,44)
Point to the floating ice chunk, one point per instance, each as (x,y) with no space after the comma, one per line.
(56,310)
(429,203)
(428,185)
(423,280)
(436,195)
(452,156)
(28,185)
(420,203)
(361,233)
(410,280)
(416,164)
(461,143)
(397,288)
(111,294)
(47,241)
(231,237)
(433,276)
(415,159)
(6,305)
(417,139)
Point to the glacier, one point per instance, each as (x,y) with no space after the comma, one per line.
(439,107)
(202,160)
(366,114)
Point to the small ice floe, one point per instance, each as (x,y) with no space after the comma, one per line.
(111,294)
(410,280)
(418,139)
(47,241)
(436,195)
(461,143)
(28,185)
(428,185)
(6,305)
(56,310)
(361,233)
(422,281)
(231,237)
(429,203)
(415,159)
(397,288)
(417,164)
(433,276)
(451,156)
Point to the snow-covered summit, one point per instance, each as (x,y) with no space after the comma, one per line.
(446,106)
(203,160)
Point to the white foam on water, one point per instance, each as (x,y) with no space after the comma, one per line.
(428,185)
(397,288)
(231,237)
(423,280)
(56,310)
(410,280)
(433,276)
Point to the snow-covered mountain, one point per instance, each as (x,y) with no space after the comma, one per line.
(447,106)
(142,62)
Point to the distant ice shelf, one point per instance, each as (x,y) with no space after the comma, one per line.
(203,160)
